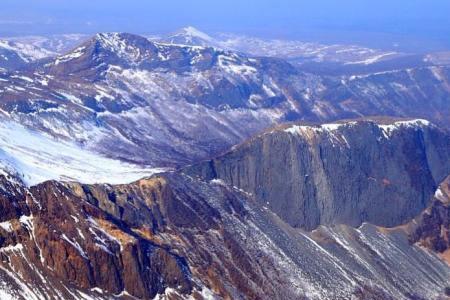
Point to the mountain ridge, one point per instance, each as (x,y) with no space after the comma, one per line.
(104,90)
(338,173)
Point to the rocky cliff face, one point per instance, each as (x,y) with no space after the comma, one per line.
(363,171)
(55,245)
(174,237)
(432,228)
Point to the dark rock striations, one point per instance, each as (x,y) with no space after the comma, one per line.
(347,173)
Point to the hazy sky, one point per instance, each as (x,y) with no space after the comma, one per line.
(425,20)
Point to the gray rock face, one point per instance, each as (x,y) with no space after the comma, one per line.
(339,173)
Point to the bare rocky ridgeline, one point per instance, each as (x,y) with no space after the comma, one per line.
(183,233)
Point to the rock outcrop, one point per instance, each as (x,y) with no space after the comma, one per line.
(55,241)
(350,210)
(382,172)
(174,237)
(432,228)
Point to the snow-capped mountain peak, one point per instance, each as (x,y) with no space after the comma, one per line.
(105,49)
(195,33)
(190,36)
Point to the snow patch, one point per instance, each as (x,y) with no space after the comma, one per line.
(218,181)
(75,245)
(389,129)
(300,129)
(7,226)
(372,59)
(440,195)
(72,55)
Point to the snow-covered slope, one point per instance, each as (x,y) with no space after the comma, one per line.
(164,104)
(58,43)
(287,49)
(26,52)
(14,55)
(306,51)
(152,102)
(35,158)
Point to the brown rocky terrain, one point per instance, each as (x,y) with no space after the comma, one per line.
(175,236)
(432,228)
(54,234)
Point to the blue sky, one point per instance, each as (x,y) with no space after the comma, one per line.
(337,20)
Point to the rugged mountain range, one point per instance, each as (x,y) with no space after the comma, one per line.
(244,206)
(183,234)
(323,59)
(166,105)
(299,51)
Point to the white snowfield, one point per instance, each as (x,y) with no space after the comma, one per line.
(26,52)
(35,158)
(55,44)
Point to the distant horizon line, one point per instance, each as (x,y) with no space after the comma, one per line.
(362,38)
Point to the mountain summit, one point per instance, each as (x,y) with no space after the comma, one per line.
(190,36)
